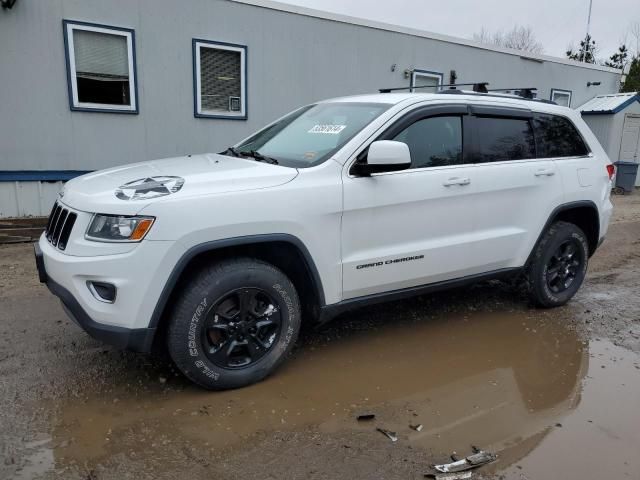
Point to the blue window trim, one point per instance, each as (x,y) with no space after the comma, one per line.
(67,54)
(560,90)
(428,72)
(245,100)
(40,175)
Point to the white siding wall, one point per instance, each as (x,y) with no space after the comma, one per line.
(292,60)
(25,199)
(608,129)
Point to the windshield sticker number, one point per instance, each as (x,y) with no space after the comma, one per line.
(328,129)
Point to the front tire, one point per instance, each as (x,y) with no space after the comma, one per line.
(234,324)
(559,265)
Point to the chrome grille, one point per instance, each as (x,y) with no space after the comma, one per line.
(59,226)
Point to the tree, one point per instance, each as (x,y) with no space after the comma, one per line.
(518,38)
(586,53)
(618,59)
(632,82)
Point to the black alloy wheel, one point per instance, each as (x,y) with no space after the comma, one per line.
(558,265)
(564,266)
(241,327)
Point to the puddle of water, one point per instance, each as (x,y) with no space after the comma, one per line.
(600,438)
(491,380)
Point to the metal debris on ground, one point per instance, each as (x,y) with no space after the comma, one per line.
(477,459)
(449,476)
(365,416)
(417,427)
(389,434)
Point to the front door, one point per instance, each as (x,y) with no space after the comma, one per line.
(413,227)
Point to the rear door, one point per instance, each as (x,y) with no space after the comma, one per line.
(583,176)
(515,192)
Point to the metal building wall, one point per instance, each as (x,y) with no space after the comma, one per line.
(27,199)
(601,126)
(608,129)
(292,60)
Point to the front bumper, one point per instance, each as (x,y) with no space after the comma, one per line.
(136,339)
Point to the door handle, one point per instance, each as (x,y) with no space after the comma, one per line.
(545,172)
(457,181)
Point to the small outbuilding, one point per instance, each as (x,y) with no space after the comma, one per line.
(615,121)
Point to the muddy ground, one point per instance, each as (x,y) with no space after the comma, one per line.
(554,392)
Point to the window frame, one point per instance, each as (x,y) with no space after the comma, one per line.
(561,92)
(426,73)
(407,119)
(72,83)
(502,114)
(536,115)
(197,44)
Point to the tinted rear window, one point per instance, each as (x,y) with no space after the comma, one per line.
(501,139)
(557,137)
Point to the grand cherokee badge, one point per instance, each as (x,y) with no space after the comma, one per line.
(149,187)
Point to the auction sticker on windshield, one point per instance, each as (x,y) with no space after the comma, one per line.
(330,129)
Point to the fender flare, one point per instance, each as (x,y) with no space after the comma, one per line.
(192,252)
(559,209)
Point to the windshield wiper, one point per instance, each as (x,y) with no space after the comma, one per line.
(251,153)
(260,157)
(231,151)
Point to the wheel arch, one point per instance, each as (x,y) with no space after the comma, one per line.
(284,251)
(583,213)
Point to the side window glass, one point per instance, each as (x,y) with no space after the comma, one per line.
(434,142)
(557,137)
(502,139)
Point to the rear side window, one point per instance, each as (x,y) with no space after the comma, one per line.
(501,139)
(434,142)
(558,137)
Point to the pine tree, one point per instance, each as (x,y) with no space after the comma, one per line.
(586,53)
(632,82)
(618,59)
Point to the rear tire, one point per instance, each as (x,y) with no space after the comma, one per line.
(559,265)
(234,324)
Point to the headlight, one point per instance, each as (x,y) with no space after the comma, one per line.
(117,228)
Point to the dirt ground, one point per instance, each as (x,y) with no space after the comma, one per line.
(555,393)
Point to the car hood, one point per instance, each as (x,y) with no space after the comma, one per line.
(128,189)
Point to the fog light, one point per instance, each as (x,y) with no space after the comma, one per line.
(102,291)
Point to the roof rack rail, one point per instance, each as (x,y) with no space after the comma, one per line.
(480,87)
(526,92)
(496,94)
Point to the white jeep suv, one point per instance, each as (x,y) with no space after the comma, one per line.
(221,257)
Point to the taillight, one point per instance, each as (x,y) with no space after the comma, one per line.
(611,170)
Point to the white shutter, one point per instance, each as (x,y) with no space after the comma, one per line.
(100,56)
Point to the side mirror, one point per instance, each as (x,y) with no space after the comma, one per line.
(384,156)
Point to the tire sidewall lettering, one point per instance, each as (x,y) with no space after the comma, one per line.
(194,350)
(545,287)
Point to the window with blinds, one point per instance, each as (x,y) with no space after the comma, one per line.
(101,72)
(428,82)
(561,97)
(219,71)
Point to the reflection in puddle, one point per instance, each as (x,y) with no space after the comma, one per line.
(490,380)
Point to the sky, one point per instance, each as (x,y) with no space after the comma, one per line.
(556,23)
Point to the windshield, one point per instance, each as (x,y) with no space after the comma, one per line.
(310,135)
